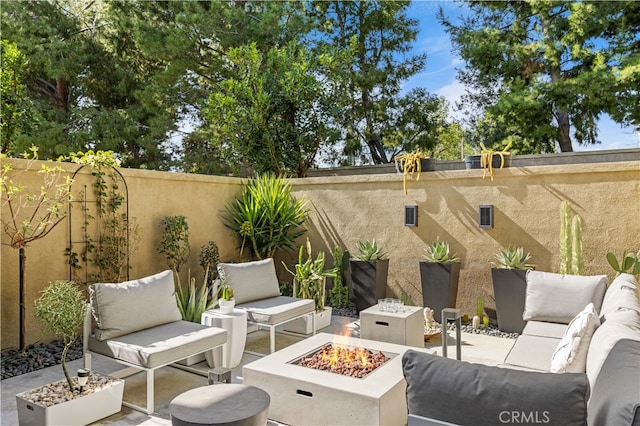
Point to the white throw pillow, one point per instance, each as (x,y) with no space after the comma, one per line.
(571,354)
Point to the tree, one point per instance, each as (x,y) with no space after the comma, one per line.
(270,115)
(32,215)
(378,36)
(542,68)
(14,103)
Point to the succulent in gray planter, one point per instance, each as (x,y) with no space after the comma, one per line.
(369,271)
(439,273)
(508,273)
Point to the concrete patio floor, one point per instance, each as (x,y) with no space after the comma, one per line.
(170,381)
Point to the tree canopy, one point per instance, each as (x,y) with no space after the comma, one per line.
(540,69)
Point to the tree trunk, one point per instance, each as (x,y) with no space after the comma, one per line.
(23,297)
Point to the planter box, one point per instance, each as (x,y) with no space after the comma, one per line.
(510,291)
(439,286)
(473,161)
(303,325)
(80,411)
(369,280)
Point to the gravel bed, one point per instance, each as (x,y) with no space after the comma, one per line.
(490,330)
(35,357)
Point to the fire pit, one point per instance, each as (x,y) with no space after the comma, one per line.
(353,362)
(301,395)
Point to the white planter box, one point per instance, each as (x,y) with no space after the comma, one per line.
(303,325)
(193,359)
(80,411)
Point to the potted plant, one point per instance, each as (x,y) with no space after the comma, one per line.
(510,286)
(309,282)
(489,160)
(62,308)
(369,272)
(226,302)
(439,273)
(192,302)
(410,164)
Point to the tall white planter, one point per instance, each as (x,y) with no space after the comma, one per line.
(303,325)
(79,411)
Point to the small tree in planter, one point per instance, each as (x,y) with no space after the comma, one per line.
(439,273)
(62,307)
(509,287)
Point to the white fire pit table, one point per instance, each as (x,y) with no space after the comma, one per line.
(304,396)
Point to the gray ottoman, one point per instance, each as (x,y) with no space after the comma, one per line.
(223,404)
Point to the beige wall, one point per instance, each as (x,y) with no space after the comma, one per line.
(345,210)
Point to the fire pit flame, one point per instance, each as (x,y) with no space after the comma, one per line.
(354,362)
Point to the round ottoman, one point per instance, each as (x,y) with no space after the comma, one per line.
(223,404)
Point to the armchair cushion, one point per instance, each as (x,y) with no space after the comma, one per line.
(621,295)
(251,280)
(130,306)
(559,297)
(463,393)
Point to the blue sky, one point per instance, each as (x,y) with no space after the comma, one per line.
(439,75)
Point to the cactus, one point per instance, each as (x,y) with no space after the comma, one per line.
(570,241)
(480,307)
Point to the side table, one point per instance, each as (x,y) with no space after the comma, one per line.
(402,328)
(230,354)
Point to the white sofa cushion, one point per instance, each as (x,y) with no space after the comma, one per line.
(559,298)
(571,354)
(251,280)
(130,306)
(622,293)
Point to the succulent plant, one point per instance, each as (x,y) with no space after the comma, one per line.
(438,252)
(368,251)
(512,258)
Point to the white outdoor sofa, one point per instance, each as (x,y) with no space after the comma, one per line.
(138,324)
(256,290)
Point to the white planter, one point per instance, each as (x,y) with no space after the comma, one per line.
(226,306)
(303,325)
(80,411)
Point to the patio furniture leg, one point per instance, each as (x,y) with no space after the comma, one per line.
(272,339)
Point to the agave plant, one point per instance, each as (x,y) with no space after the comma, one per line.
(368,251)
(512,258)
(193,301)
(438,252)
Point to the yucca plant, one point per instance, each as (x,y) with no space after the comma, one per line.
(266,216)
(438,252)
(512,258)
(193,301)
(368,251)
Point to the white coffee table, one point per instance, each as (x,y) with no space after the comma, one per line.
(230,354)
(402,328)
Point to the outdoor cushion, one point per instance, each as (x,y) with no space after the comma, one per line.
(469,394)
(545,329)
(622,293)
(620,325)
(130,306)
(571,353)
(251,280)
(532,352)
(615,399)
(277,310)
(161,345)
(558,297)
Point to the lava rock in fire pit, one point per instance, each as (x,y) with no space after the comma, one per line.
(353,362)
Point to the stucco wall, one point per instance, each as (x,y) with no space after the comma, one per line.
(345,210)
